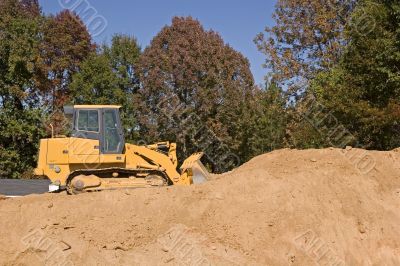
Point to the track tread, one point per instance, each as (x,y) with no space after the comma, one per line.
(119,170)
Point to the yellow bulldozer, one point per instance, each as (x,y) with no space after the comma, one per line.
(95,157)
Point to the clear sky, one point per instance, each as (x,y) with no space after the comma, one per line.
(237,21)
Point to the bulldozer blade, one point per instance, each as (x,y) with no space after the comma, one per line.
(195,167)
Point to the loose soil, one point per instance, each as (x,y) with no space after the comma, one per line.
(288,207)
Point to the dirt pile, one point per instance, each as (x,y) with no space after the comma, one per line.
(288,207)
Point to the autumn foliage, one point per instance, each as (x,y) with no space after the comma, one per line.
(192,83)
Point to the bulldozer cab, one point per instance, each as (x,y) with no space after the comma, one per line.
(98,122)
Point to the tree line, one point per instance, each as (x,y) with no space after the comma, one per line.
(333,70)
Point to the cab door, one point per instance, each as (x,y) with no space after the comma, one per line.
(112,140)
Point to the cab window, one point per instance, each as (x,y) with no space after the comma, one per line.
(88,120)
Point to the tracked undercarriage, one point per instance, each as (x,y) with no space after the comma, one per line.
(114,178)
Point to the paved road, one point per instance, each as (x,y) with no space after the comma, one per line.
(17,187)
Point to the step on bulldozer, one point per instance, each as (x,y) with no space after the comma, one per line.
(95,157)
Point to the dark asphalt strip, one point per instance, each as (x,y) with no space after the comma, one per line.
(19,187)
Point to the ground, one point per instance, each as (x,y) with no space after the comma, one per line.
(288,207)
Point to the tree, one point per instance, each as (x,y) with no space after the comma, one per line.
(269,120)
(363,90)
(109,77)
(307,38)
(66,43)
(195,90)
(21,131)
(38,54)
(20,125)
(19,40)
(30,9)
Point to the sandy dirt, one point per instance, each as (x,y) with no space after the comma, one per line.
(288,207)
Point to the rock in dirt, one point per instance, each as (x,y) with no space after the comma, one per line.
(65,245)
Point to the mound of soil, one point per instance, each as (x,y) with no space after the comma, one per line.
(288,207)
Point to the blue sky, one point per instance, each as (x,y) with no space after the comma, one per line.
(237,21)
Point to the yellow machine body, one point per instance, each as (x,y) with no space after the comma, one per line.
(78,163)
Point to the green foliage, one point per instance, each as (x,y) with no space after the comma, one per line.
(20,126)
(38,54)
(96,83)
(21,131)
(348,55)
(109,77)
(270,120)
(363,90)
(19,40)
(307,37)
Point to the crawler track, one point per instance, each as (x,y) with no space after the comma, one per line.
(123,173)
